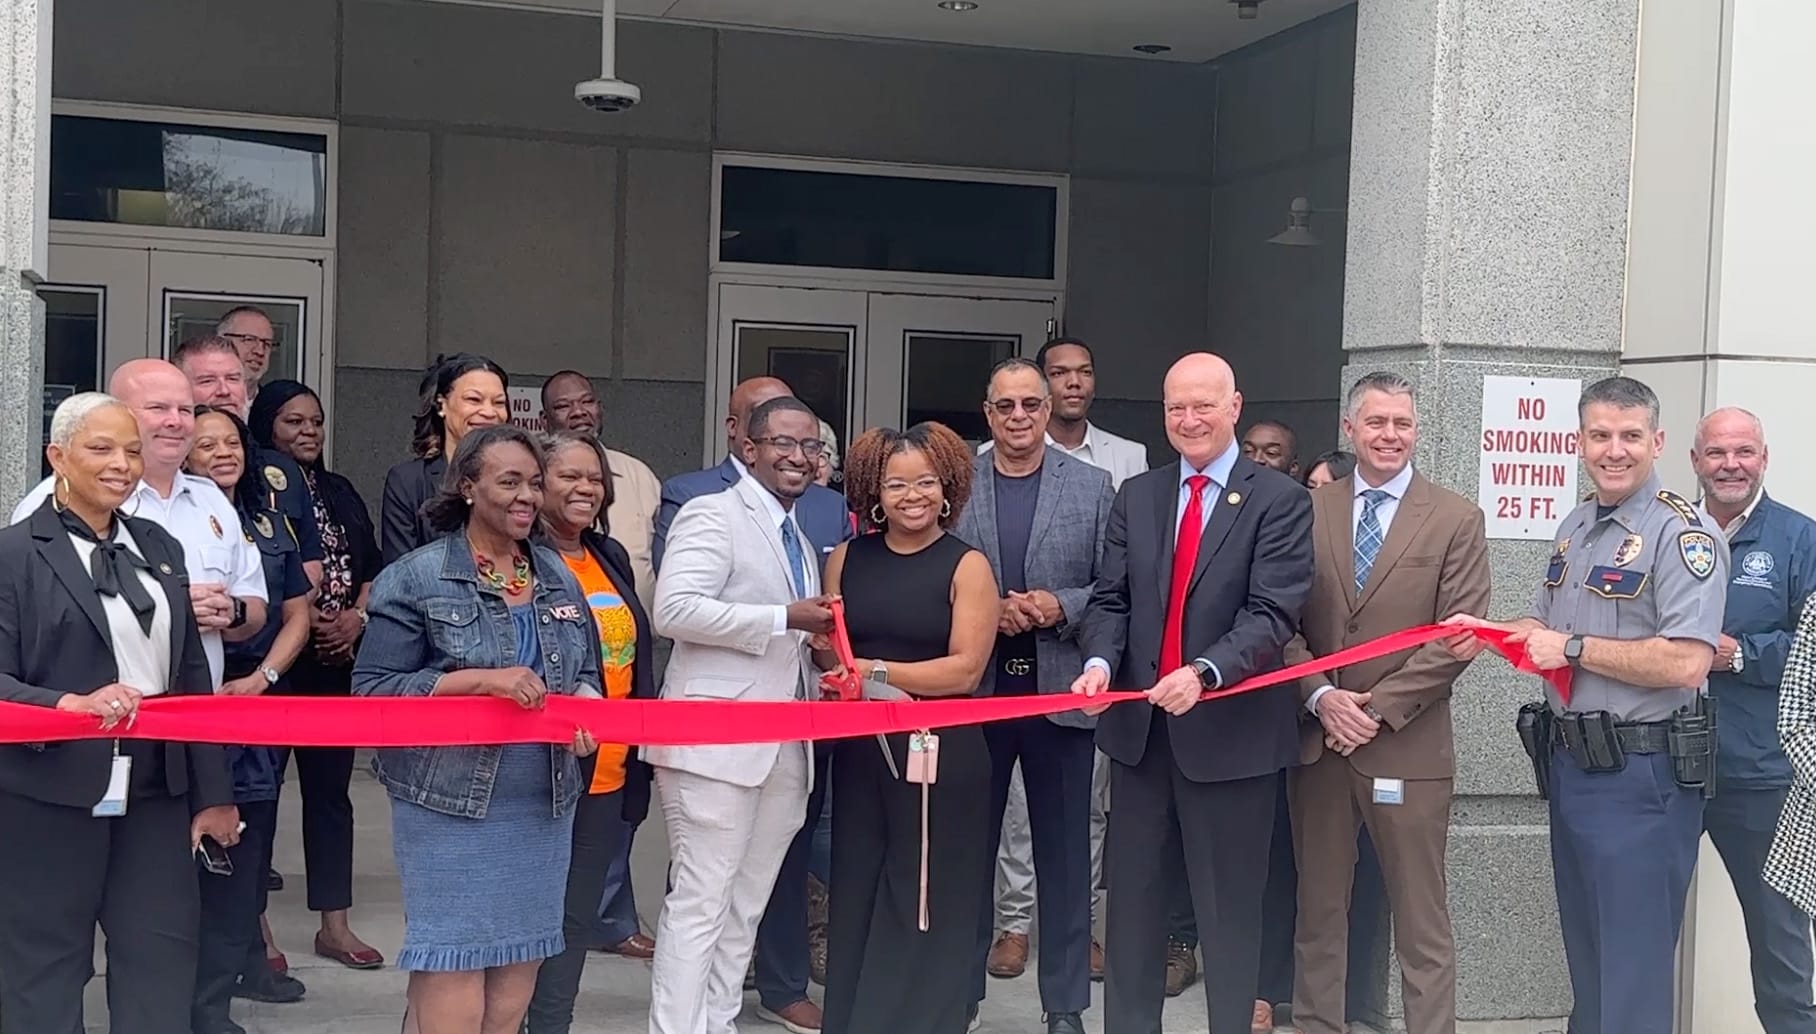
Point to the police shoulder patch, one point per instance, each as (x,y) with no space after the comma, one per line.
(1681,506)
(1698,549)
(274,476)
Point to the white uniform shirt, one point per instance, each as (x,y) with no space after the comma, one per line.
(214,546)
(142,658)
(1122,458)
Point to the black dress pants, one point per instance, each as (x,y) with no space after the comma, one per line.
(323,775)
(61,871)
(1157,813)
(231,942)
(600,832)
(1056,765)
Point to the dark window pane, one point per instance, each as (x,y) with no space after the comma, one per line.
(904,224)
(946,378)
(200,177)
(815,361)
(72,347)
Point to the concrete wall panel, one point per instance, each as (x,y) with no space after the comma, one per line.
(667,231)
(382,287)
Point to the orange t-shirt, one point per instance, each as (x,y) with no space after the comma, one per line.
(617,650)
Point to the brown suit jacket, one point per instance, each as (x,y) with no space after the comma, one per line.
(1433,564)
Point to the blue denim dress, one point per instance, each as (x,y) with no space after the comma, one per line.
(481,835)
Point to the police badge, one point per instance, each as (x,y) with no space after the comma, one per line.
(1698,549)
(276,479)
(1628,551)
(263,524)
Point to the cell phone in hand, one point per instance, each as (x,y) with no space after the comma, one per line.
(214,857)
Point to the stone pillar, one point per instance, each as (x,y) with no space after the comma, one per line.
(1488,235)
(24,199)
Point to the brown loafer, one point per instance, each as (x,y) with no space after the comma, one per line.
(802,1017)
(1182,968)
(1008,956)
(636,946)
(1263,1020)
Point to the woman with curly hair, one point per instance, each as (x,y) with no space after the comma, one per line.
(921,607)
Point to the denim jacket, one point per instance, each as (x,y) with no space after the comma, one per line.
(429,615)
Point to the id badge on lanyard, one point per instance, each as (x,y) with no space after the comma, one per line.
(112,804)
(924,768)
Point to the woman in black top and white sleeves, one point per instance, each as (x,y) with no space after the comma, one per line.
(94,616)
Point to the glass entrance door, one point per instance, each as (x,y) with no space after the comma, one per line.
(867,359)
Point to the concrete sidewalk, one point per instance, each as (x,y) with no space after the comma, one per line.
(614,997)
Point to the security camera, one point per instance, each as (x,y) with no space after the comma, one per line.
(607,95)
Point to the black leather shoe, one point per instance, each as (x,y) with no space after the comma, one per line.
(1065,1023)
(218,1026)
(274,880)
(275,988)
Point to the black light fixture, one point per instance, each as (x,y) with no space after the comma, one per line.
(1247,10)
(1151,48)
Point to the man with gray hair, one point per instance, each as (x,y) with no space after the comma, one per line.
(1393,551)
(1630,606)
(1773,575)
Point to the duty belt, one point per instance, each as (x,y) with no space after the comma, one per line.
(1634,737)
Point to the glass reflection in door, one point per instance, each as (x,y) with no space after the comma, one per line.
(72,347)
(946,376)
(813,360)
(192,315)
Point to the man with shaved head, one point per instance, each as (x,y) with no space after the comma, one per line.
(226,576)
(1771,578)
(782,955)
(1228,544)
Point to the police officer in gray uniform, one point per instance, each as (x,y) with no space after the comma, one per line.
(1632,604)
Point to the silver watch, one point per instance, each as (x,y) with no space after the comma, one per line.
(879,672)
(1737,663)
(271,675)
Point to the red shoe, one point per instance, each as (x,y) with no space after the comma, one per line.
(365,958)
(278,963)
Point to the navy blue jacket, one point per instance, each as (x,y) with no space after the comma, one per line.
(822,513)
(257,774)
(1774,571)
(292,499)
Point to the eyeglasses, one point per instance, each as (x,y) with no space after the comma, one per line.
(252,339)
(1004,407)
(810,447)
(924,486)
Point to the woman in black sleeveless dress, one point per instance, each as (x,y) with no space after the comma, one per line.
(922,609)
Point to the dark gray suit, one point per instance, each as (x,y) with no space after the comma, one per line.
(1065,548)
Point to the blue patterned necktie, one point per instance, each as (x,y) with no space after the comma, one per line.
(1369,535)
(797,561)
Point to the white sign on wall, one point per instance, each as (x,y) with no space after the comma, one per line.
(1529,455)
(526,409)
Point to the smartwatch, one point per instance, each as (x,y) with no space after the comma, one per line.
(239,613)
(1207,675)
(1573,649)
(879,672)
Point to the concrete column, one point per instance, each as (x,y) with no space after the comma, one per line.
(1717,311)
(24,199)
(1488,235)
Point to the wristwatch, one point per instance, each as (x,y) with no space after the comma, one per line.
(239,613)
(362,616)
(1207,675)
(271,675)
(1737,663)
(1573,649)
(879,672)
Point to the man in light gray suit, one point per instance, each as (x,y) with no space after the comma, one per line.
(1039,516)
(738,592)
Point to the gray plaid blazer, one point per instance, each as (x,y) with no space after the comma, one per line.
(1791,865)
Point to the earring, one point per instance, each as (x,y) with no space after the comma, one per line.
(59,491)
(945,507)
(877,516)
(468,500)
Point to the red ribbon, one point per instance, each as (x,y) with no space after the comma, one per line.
(454,721)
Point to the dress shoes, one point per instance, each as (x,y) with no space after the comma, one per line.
(1182,967)
(802,1017)
(272,988)
(1065,1023)
(1008,957)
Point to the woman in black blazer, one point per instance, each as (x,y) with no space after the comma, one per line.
(576,492)
(94,616)
(460,392)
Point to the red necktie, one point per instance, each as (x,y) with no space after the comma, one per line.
(1185,557)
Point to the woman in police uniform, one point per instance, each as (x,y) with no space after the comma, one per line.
(232,951)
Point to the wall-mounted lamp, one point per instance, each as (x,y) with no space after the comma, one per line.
(1298,232)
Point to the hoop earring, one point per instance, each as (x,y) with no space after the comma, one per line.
(945,507)
(59,488)
(877,516)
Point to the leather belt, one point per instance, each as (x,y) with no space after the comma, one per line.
(1635,738)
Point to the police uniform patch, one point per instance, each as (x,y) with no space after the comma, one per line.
(214,525)
(1680,506)
(1698,550)
(263,524)
(276,479)
(1628,551)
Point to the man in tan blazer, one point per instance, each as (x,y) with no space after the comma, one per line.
(1393,551)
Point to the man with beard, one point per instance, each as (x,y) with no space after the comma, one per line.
(1774,571)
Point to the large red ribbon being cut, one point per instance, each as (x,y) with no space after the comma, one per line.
(453,721)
